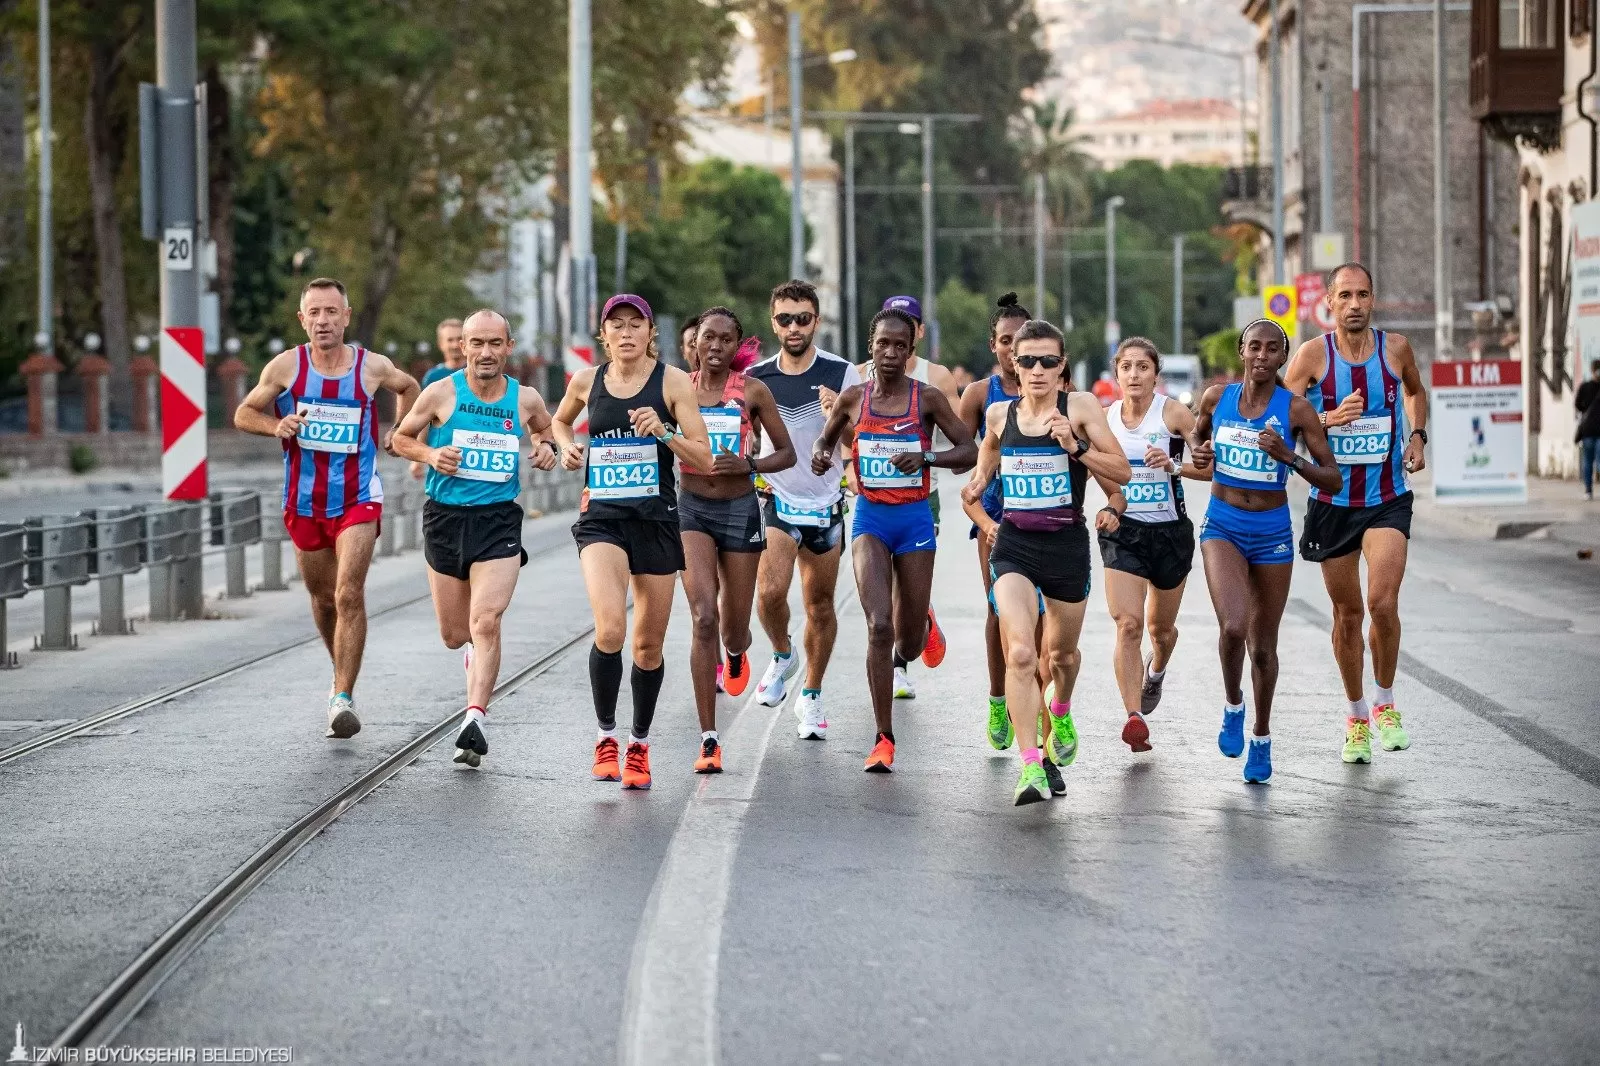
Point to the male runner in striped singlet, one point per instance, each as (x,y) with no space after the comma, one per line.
(320,400)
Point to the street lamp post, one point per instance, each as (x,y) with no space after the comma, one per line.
(1276,93)
(850,309)
(929,311)
(579,180)
(47,315)
(1177,292)
(1113,327)
(1038,244)
(797,222)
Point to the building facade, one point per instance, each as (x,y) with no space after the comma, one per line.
(1202,132)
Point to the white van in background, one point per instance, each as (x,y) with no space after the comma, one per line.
(1181,377)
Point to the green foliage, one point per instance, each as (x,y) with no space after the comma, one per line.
(81,459)
(1219,352)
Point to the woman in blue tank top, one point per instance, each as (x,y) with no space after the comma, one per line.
(1247,541)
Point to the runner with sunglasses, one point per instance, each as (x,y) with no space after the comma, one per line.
(1247,541)
(892,538)
(803,510)
(720,519)
(1043,445)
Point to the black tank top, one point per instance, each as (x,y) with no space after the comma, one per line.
(1041,485)
(628,476)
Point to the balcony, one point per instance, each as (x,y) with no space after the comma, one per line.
(1516,73)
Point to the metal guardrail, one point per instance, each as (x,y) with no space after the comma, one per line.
(50,554)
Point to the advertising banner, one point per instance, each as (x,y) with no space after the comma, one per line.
(1475,429)
(1585,311)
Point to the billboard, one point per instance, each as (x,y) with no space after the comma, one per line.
(1475,424)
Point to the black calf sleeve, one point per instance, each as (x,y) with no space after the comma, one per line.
(646,685)
(605,681)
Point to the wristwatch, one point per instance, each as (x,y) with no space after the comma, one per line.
(752,460)
(1420,433)
(1298,463)
(928,457)
(1081,450)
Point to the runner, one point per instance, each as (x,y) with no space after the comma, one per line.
(320,400)
(473,422)
(686,342)
(1043,446)
(448,338)
(1009,316)
(803,511)
(892,537)
(1356,377)
(1247,541)
(627,528)
(719,515)
(919,369)
(1146,538)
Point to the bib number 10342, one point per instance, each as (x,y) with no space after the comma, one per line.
(623,468)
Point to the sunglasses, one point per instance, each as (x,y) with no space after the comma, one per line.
(1049,362)
(801,319)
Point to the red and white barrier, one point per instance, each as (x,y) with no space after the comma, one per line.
(183,413)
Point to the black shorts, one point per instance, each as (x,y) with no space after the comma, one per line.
(733,525)
(818,540)
(453,538)
(1160,552)
(1332,531)
(653,547)
(1056,563)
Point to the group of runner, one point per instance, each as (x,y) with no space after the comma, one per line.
(775,451)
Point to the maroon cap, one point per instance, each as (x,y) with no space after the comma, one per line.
(638,303)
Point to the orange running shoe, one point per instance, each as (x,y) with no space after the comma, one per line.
(736,674)
(933,651)
(636,769)
(710,760)
(605,760)
(881,761)
(1135,733)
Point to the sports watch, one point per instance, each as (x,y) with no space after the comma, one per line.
(928,457)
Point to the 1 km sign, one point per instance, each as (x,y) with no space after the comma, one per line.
(1494,372)
(1476,422)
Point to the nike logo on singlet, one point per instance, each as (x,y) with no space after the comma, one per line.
(901,427)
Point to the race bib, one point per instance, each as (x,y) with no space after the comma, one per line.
(1364,441)
(330,425)
(722,424)
(486,456)
(624,468)
(876,450)
(1239,455)
(1149,491)
(803,516)
(1035,479)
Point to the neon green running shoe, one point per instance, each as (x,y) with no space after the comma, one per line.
(1357,740)
(1390,734)
(1061,742)
(1032,786)
(1001,733)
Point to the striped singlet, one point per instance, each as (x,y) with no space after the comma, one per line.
(1371,450)
(332,464)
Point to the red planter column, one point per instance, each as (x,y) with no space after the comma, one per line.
(96,398)
(145,374)
(40,370)
(231,373)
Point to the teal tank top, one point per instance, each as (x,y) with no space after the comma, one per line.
(489,436)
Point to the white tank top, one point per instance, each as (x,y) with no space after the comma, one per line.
(1152,495)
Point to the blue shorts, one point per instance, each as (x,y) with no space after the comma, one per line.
(1260,536)
(902,527)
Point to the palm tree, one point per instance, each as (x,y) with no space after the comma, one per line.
(1049,145)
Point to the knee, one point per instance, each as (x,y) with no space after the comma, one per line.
(1129,631)
(485,626)
(703,617)
(1265,659)
(1062,660)
(647,652)
(880,632)
(1234,631)
(1164,633)
(609,634)
(819,611)
(1021,654)
(350,599)
(1347,616)
(1384,605)
(453,634)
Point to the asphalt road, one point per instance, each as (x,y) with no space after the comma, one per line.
(1435,906)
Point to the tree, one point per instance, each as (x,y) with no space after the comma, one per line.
(1050,146)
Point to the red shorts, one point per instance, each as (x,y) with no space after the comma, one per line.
(318,534)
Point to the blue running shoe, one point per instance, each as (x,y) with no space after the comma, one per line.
(1231,740)
(1258,766)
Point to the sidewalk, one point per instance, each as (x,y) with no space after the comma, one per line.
(111,479)
(1556,510)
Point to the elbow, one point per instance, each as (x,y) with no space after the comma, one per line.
(785,459)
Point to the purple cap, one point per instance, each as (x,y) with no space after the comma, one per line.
(908,304)
(636,302)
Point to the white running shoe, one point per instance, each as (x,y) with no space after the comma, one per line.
(903,689)
(471,743)
(813,722)
(775,682)
(342,721)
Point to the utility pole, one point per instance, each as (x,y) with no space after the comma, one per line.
(929,314)
(45,340)
(1325,164)
(1177,293)
(797,221)
(1038,244)
(850,309)
(1066,280)
(1443,303)
(1113,327)
(579,181)
(1277,146)
(621,278)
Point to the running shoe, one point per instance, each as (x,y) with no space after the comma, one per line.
(1061,743)
(1135,733)
(342,721)
(636,767)
(605,760)
(710,760)
(1230,741)
(1357,740)
(471,744)
(774,683)
(881,761)
(813,723)
(1032,786)
(1258,766)
(736,675)
(933,651)
(719,678)
(1001,731)
(1150,692)
(1390,734)
(903,689)
(1052,774)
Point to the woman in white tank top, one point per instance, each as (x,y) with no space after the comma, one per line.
(1146,538)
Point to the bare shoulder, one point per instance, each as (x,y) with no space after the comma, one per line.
(756,392)
(1307,360)
(1085,405)
(1210,399)
(997,414)
(281,368)
(1398,350)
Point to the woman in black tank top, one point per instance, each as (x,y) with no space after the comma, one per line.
(642,417)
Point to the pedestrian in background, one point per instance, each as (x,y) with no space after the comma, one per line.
(1588,436)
